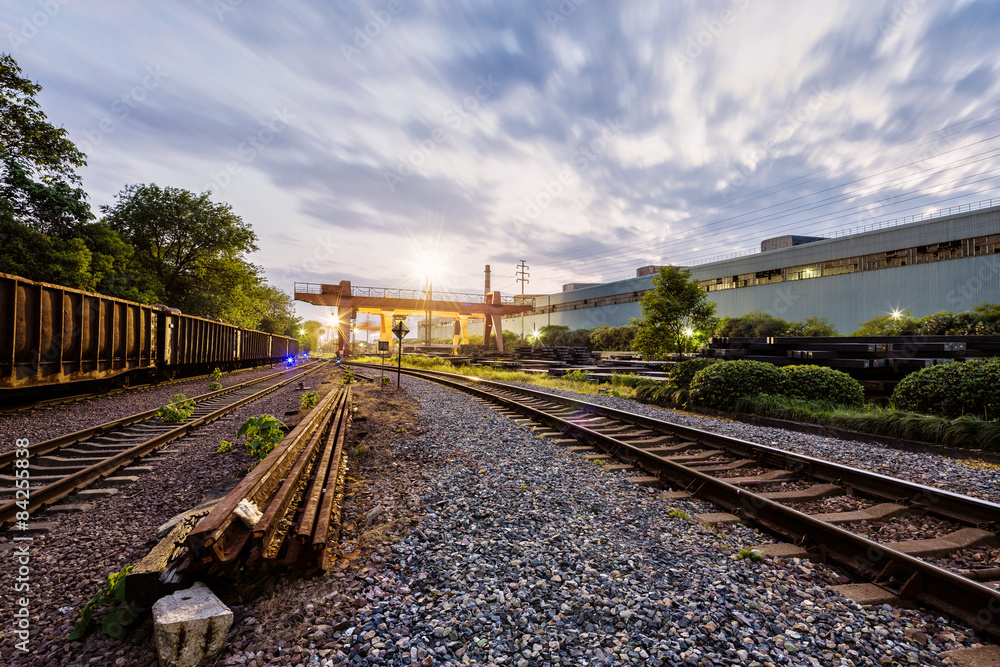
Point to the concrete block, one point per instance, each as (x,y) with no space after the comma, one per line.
(190,626)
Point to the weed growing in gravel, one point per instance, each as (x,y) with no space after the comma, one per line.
(678,513)
(117,620)
(349,377)
(401,429)
(179,409)
(224,447)
(576,376)
(386,381)
(216,375)
(309,399)
(976,464)
(214,386)
(262,434)
(752,554)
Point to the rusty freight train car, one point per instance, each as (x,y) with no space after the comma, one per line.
(51,335)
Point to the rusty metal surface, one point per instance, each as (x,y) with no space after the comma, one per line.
(221,535)
(51,334)
(910,577)
(308,467)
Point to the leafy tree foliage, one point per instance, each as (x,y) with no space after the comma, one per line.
(983,320)
(46,226)
(553,334)
(763,325)
(26,136)
(191,246)
(613,338)
(674,314)
(308,335)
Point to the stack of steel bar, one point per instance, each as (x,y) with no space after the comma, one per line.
(287,505)
(879,362)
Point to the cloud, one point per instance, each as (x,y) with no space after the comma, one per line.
(734,121)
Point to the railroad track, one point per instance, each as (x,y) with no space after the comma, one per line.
(740,477)
(77,398)
(60,466)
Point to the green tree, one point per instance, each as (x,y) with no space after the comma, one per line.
(612,338)
(889,325)
(26,136)
(308,335)
(674,314)
(192,247)
(46,227)
(813,327)
(753,324)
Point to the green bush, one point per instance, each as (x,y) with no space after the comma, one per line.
(214,386)
(309,399)
(627,379)
(118,619)
(683,372)
(819,383)
(179,409)
(576,376)
(721,385)
(216,375)
(262,434)
(953,390)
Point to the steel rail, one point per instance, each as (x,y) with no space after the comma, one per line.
(61,488)
(305,472)
(79,398)
(221,535)
(910,577)
(936,501)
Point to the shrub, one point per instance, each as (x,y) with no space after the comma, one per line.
(684,371)
(214,386)
(721,385)
(179,409)
(819,383)
(216,375)
(309,399)
(953,390)
(349,377)
(224,447)
(118,619)
(576,376)
(627,379)
(262,434)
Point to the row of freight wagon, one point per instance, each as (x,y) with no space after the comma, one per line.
(52,335)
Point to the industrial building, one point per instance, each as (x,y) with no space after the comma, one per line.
(947,262)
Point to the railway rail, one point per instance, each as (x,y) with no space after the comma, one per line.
(286,511)
(10,408)
(699,461)
(60,466)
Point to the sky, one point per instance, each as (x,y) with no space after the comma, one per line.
(379,141)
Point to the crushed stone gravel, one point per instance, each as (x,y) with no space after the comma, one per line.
(528,555)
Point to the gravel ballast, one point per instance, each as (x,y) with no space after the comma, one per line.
(526,555)
(924,468)
(69,564)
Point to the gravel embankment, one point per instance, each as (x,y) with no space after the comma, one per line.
(931,469)
(529,555)
(46,423)
(70,563)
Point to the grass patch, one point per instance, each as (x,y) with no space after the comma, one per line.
(748,553)
(963,432)
(487,373)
